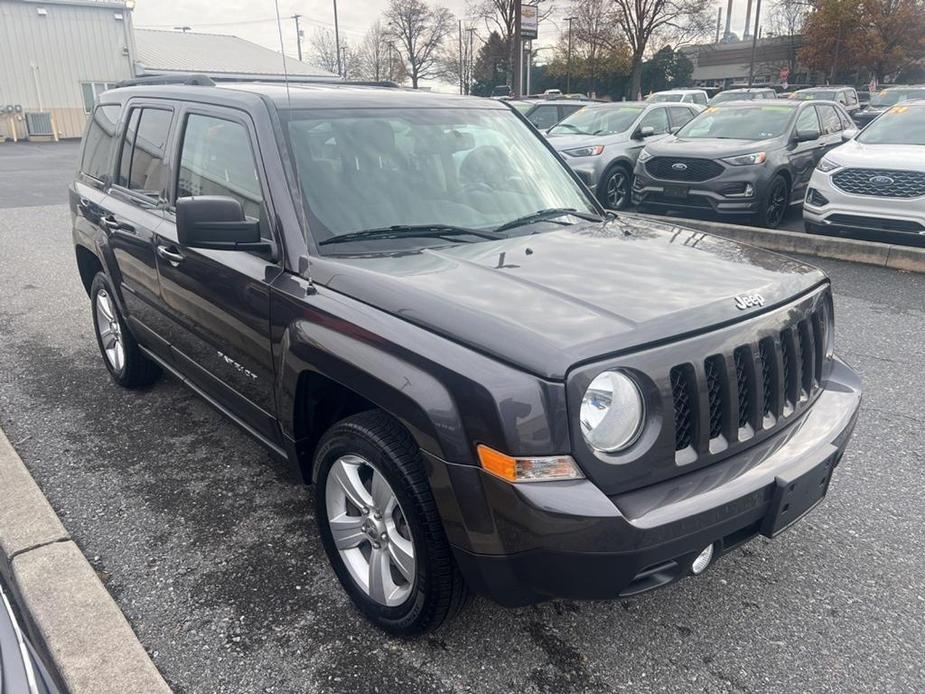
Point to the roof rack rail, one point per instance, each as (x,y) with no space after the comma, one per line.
(192,79)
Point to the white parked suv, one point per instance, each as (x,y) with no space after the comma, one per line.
(683,96)
(873,186)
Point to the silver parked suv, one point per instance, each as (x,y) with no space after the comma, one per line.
(601,142)
(874,185)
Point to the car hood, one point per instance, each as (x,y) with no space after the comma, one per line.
(707,147)
(547,301)
(854,153)
(563,142)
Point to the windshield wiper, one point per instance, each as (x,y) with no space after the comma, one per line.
(398,231)
(549,216)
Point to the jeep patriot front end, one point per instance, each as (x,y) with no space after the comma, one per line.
(493,383)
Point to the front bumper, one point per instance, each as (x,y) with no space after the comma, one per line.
(725,194)
(894,220)
(525,543)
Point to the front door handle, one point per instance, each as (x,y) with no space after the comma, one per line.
(170,254)
(114,224)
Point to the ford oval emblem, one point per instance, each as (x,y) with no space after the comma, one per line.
(681,166)
(881,180)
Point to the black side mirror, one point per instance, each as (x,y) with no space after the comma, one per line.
(218,223)
(805,135)
(643,133)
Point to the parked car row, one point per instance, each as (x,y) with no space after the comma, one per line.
(758,158)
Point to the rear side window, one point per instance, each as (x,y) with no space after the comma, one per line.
(700,99)
(216,159)
(544,117)
(141,167)
(98,143)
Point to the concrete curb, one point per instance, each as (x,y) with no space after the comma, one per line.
(88,639)
(895,257)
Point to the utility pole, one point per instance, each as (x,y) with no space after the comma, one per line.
(391,48)
(344,62)
(568,59)
(460,59)
(469,76)
(518,67)
(337,41)
(298,34)
(751,65)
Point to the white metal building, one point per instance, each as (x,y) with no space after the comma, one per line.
(55,55)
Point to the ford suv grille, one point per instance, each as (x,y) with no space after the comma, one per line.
(683,169)
(883,183)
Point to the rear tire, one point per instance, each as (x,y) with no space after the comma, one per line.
(124,360)
(775,204)
(370,484)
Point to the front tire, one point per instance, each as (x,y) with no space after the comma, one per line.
(124,360)
(380,527)
(615,189)
(775,204)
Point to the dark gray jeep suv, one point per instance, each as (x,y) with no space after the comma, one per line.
(493,383)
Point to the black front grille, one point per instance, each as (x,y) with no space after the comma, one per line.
(786,366)
(882,183)
(877,223)
(683,169)
(714,372)
(742,384)
(815,198)
(683,406)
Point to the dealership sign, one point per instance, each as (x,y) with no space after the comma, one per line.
(529,21)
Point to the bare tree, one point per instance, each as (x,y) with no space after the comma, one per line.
(374,54)
(786,20)
(595,35)
(420,32)
(675,21)
(324,50)
(498,16)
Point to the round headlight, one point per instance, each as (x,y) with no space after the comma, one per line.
(611,412)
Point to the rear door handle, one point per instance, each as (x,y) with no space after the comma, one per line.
(170,254)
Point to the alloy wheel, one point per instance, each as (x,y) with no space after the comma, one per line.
(776,204)
(616,192)
(370,530)
(110,331)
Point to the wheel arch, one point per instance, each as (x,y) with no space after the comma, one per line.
(88,264)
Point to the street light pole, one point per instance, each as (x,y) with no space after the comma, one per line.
(568,59)
(298,34)
(471,66)
(517,86)
(337,42)
(751,65)
(391,47)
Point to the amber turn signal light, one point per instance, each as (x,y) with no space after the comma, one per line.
(542,469)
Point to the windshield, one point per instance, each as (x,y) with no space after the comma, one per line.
(827,95)
(891,97)
(662,98)
(598,121)
(522,106)
(732,96)
(472,168)
(759,123)
(901,125)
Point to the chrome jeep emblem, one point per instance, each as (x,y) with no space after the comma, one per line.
(881,180)
(679,166)
(744,301)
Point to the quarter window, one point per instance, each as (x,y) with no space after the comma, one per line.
(97,152)
(141,168)
(216,159)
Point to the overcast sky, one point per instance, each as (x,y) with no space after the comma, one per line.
(255,19)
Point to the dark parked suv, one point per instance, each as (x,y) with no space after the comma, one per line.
(746,157)
(493,383)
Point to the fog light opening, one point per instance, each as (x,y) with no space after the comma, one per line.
(702,561)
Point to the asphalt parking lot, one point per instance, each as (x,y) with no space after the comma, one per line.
(211,551)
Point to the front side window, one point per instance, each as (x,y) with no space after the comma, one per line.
(544,117)
(379,168)
(599,120)
(828,116)
(807,123)
(680,115)
(141,168)
(740,123)
(216,159)
(657,119)
(97,149)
